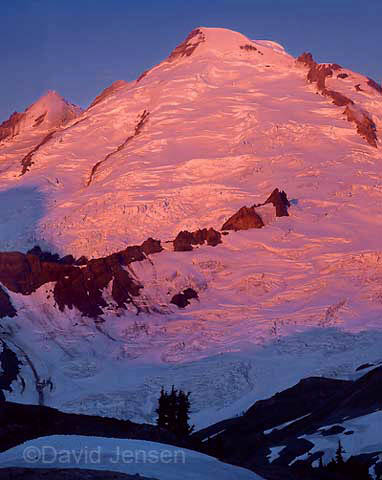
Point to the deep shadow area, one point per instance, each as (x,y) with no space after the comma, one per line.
(21,208)
(64,474)
(19,423)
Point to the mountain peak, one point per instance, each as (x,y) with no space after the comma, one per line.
(51,100)
(221,42)
(52,94)
(50,111)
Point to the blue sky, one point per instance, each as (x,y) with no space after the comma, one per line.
(78,47)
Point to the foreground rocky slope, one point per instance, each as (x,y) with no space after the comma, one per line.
(20,423)
(281,438)
(285,435)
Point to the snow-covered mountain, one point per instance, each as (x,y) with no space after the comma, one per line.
(214,127)
(24,133)
(49,112)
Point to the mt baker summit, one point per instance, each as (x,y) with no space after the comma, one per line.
(221,213)
(219,123)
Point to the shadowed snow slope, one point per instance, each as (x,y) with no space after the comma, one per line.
(156,460)
(216,126)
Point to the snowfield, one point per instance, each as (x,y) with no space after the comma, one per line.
(154,460)
(365,439)
(185,147)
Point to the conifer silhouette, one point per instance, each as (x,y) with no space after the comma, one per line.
(174,412)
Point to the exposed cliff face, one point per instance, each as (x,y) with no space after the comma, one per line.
(8,128)
(318,73)
(373,84)
(186,48)
(6,307)
(183,299)
(141,121)
(49,112)
(184,240)
(297,419)
(27,161)
(365,125)
(75,286)
(80,283)
(248,217)
(244,219)
(279,200)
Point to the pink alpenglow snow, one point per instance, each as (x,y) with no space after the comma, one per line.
(216,126)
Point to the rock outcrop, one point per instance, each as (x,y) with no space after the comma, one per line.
(338,99)
(316,405)
(373,84)
(186,48)
(244,219)
(279,200)
(6,307)
(247,217)
(27,161)
(49,112)
(185,239)
(150,246)
(366,127)
(80,283)
(141,121)
(183,299)
(75,286)
(8,129)
(318,73)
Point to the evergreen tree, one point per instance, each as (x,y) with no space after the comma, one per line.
(339,452)
(173,412)
(352,469)
(183,409)
(163,410)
